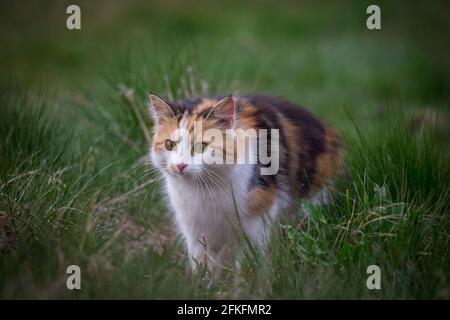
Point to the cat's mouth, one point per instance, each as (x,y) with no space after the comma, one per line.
(179,171)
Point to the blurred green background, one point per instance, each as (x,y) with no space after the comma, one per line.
(297,49)
(73,135)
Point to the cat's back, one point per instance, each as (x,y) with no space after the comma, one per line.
(278,109)
(310,152)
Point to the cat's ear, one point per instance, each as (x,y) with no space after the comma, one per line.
(159,109)
(225,110)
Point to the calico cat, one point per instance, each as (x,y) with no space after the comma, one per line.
(217,205)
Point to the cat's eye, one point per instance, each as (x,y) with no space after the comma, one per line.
(170,145)
(200,147)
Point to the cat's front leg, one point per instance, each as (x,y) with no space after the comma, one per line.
(202,257)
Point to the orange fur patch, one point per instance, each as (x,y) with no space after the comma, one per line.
(261,200)
(328,163)
(247,116)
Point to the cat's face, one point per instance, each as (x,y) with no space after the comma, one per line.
(189,138)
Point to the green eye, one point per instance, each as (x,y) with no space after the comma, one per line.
(170,145)
(200,147)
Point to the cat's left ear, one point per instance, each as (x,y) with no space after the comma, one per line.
(225,110)
(159,109)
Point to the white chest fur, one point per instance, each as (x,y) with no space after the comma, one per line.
(207,215)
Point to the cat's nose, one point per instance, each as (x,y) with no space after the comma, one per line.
(181,166)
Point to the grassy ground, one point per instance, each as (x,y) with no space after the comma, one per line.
(74,131)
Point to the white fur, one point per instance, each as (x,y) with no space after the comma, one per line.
(212,215)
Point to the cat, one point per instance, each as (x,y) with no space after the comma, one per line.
(216,205)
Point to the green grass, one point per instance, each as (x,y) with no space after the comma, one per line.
(74,130)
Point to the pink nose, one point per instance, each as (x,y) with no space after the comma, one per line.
(181,166)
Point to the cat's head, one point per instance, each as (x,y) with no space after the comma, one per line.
(190,136)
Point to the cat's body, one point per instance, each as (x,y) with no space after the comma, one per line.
(213,203)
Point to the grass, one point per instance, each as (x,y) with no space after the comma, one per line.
(74,131)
